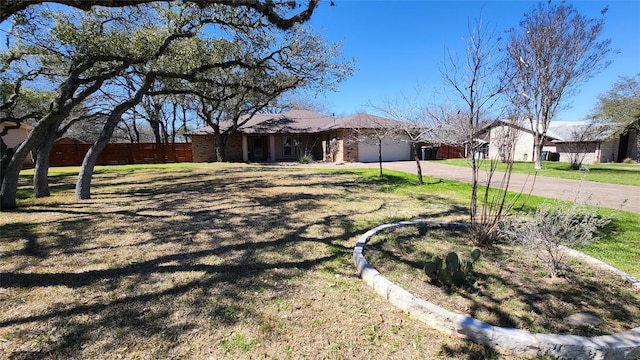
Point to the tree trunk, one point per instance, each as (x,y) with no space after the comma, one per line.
(83,186)
(164,133)
(41,171)
(538,144)
(220,145)
(380,156)
(416,156)
(9,188)
(173,123)
(184,124)
(473,209)
(154,122)
(135,129)
(6,153)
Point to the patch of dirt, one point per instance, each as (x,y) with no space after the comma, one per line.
(513,289)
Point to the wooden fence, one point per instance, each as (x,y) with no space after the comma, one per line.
(450,152)
(122,153)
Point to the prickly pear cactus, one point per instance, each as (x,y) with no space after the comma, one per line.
(453,271)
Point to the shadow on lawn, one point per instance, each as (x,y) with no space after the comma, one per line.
(22,231)
(205,248)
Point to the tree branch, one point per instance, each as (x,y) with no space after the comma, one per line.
(266,8)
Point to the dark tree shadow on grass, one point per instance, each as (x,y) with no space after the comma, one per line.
(230,223)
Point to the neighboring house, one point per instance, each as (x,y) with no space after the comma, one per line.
(288,136)
(564,140)
(595,143)
(15,137)
(494,139)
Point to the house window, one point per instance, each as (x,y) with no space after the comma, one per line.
(292,146)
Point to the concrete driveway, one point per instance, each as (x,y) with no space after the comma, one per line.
(604,195)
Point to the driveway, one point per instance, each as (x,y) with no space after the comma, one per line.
(604,195)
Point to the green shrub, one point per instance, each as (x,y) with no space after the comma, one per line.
(305,159)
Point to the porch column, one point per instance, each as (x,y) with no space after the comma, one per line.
(245,149)
(272,148)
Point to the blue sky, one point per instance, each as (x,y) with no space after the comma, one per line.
(400,45)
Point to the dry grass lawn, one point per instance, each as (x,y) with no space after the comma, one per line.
(205,262)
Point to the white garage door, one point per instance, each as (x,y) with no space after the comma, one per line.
(391,151)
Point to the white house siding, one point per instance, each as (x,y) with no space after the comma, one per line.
(523,148)
(591,152)
(391,151)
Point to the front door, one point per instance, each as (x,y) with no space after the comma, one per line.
(258,148)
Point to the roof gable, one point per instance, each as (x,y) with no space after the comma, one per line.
(364,121)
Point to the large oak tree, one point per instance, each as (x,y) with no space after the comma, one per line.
(79,56)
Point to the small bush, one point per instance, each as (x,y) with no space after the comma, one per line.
(628,161)
(484,234)
(305,159)
(553,228)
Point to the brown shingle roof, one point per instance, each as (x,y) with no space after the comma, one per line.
(363,121)
(302,122)
(291,122)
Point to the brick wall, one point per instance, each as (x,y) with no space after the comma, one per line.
(349,148)
(233,152)
(203,148)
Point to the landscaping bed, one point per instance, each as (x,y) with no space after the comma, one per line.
(513,289)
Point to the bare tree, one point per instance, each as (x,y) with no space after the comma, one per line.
(554,50)
(450,125)
(373,130)
(412,121)
(478,83)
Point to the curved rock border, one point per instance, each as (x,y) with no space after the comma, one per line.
(624,345)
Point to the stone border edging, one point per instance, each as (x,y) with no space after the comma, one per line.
(624,345)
